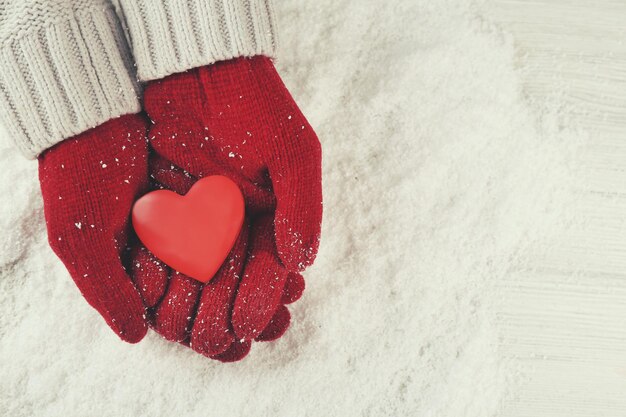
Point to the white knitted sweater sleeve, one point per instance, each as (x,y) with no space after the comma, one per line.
(170,36)
(65,67)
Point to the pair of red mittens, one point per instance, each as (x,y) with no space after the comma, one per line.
(234,118)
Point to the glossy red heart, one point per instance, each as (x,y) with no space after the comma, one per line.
(192,233)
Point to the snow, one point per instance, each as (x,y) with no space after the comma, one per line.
(437,174)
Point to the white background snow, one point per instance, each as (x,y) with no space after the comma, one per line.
(438,174)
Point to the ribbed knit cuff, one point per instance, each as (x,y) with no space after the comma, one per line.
(64,76)
(170,36)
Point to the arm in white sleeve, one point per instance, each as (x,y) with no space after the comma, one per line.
(170,36)
(65,67)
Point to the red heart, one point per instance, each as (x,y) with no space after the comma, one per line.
(193,233)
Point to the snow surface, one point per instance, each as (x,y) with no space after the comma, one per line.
(437,174)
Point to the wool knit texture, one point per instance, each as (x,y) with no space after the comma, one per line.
(235,118)
(89,184)
(185,311)
(170,36)
(65,67)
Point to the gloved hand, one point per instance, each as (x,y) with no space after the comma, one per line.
(89,184)
(211,304)
(237,119)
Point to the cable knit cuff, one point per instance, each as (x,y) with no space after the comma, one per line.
(63,76)
(170,36)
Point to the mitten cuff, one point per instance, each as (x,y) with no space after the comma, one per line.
(170,36)
(63,72)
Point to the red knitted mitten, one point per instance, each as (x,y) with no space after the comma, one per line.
(237,119)
(210,305)
(89,184)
